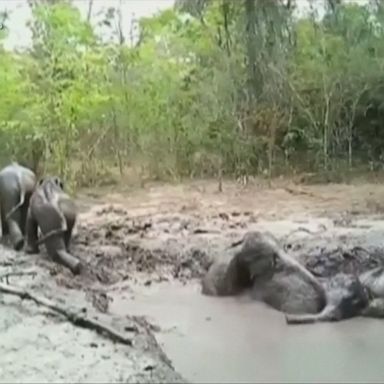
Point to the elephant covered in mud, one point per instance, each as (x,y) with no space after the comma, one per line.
(226,279)
(346,297)
(54,212)
(300,295)
(16,187)
(365,292)
(373,280)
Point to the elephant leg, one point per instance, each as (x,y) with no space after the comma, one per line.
(56,249)
(68,234)
(24,214)
(4,226)
(15,232)
(31,230)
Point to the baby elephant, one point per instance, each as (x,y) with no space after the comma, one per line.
(346,297)
(300,294)
(54,212)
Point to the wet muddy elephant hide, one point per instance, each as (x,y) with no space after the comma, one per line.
(54,212)
(16,187)
(349,296)
(255,261)
(346,297)
(287,292)
(293,290)
(373,280)
(256,257)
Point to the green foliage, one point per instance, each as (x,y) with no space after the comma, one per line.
(218,88)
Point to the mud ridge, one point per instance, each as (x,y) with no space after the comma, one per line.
(116,246)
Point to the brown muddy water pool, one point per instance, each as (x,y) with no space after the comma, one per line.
(236,340)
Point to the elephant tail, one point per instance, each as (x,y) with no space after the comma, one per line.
(63,221)
(49,234)
(22,196)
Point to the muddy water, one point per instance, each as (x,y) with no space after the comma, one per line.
(236,340)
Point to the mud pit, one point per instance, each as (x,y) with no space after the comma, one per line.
(145,252)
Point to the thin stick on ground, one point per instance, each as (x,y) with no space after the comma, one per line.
(78,319)
(301,229)
(296,192)
(9,274)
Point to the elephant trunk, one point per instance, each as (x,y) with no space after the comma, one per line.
(17,237)
(69,261)
(327,314)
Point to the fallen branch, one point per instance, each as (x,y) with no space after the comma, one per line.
(303,229)
(11,263)
(78,319)
(363,250)
(199,231)
(9,274)
(296,192)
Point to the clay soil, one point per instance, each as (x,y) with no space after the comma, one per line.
(142,236)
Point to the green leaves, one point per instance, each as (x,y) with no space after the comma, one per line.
(84,105)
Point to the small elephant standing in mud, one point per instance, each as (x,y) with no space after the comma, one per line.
(16,187)
(300,295)
(54,212)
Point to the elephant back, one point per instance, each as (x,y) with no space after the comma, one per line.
(14,176)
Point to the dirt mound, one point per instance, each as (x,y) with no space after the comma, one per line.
(332,255)
(355,260)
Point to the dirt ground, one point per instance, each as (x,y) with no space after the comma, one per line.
(144,236)
(281,200)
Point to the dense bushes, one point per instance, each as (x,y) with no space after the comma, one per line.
(238,85)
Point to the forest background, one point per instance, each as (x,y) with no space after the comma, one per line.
(208,87)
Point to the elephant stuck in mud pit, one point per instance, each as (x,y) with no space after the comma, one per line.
(16,187)
(373,280)
(54,212)
(256,261)
(263,267)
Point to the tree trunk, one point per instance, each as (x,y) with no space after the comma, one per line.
(254,78)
